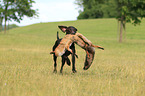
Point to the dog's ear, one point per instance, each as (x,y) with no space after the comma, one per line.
(76,29)
(62,28)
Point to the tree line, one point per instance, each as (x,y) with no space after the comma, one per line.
(124,11)
(15,10)
(9,26)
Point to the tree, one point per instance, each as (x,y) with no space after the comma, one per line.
(131,11)
(17,9)
(96,9)
(125,11)
(1,15)
(89,10)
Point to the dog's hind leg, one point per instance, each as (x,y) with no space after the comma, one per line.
(97,47)
(55,64)
(87,54)
(67,61)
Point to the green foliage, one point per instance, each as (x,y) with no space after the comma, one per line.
(16,10)
(10,26)
(131,10)
(13,26)
(90,14)
(96,9)
(21,8)
(127,10)
(26,67)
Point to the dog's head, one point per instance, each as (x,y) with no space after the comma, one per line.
(68,30)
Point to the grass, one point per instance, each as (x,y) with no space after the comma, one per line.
(26,67)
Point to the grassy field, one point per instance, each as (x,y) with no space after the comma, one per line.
(26,67)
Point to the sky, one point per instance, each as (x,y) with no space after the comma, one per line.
(52,11)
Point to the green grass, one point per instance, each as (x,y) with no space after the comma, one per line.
(26,67)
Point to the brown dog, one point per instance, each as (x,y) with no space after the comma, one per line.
(68,39)
(64,45)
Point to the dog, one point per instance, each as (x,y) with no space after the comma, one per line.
(67,30)
(64,45)
(68,39)
(90,51)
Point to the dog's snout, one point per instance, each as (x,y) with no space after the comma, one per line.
(73,32)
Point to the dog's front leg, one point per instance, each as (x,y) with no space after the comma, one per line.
(73,59)
(55,64)
(73,64)
(63,62)
(71,51)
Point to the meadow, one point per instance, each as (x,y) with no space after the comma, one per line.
(26,67)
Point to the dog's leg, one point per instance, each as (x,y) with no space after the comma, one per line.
(55,64)
(86,49)
(97,47)
(73,59)
(73,64)
(67,61)
(72,52)
(88,42)
(63,62)
(88,55)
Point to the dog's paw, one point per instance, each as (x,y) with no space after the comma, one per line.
(101,48)
(54,71)
(74,71)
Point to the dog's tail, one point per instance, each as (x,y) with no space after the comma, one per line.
(57,35)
